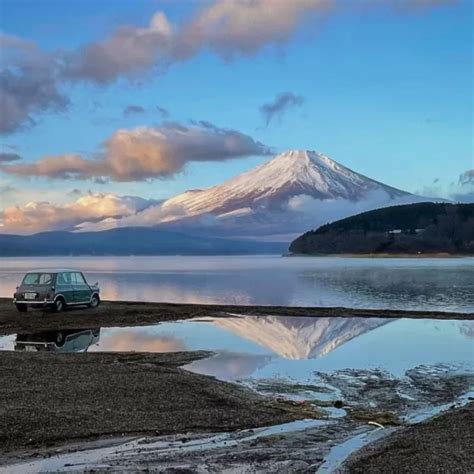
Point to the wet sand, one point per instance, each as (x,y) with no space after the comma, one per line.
(49,399)
(442,444)
(123,313)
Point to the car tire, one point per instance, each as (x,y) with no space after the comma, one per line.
(22,308)
(59,305)
(95,301)
(60,339)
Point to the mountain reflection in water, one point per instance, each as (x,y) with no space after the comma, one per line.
(277,346)
(299,337)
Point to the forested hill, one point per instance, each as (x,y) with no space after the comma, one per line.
(413,228)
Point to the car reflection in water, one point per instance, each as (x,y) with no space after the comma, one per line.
(67,340)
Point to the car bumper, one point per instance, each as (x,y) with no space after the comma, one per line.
(44,302)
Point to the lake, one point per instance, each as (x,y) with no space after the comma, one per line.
(396,283)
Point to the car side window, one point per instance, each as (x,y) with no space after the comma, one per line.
(64,279)
(78,279)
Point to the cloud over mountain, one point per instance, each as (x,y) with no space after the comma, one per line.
(279,105)
(463,190)
(41,216)
(147,152)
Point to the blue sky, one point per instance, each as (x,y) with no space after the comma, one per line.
(387,91)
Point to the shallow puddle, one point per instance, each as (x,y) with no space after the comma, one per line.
(285,355)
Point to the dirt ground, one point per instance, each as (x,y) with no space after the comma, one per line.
(442,444)
(49,399)
(122,313)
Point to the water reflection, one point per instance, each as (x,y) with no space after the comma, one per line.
(436,284)
(230,365)
(299,337)
(268,347)
(67,340)
(139,341)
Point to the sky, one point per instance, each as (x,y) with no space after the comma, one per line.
(152,98)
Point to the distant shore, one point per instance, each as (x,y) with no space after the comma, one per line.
(129,313)
(384,255)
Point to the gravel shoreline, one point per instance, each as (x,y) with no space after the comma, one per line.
(123,313)
(49,399)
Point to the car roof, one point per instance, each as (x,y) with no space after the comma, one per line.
(53,270)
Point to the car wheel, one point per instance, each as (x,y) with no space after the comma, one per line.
(60,339)
(59,305)
(22,308)
(95,301)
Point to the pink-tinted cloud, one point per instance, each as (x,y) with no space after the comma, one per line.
(40,216)
(147,152)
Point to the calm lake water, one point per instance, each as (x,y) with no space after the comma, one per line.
(398,283)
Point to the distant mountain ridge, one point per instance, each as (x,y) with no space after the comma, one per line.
(413,229)
(128,241)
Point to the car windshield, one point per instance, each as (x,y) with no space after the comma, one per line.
(38,279)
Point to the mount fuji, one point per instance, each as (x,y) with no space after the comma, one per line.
(292,193)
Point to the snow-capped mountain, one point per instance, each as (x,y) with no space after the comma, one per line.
(293,173)
(292,193)
(299,337)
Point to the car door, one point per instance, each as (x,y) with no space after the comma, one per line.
(82,292)
(64,286)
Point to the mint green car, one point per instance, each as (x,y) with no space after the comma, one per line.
(56,289)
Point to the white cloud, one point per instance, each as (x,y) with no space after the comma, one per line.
(41,216)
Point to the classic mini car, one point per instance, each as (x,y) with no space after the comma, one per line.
(55,289)
(68,340)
